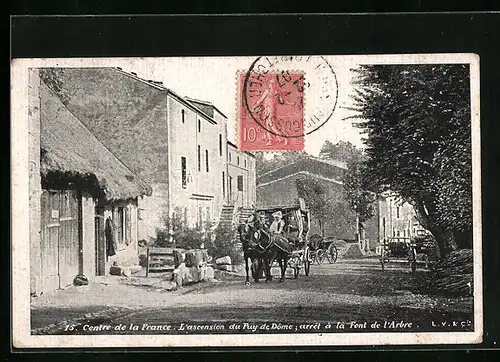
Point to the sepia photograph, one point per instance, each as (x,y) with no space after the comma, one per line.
(246,201)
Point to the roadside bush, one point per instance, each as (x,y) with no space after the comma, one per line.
(453,275)
(177,233)
(143,260)
(225,242)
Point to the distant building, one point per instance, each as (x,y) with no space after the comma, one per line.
(241,181)
(279,186)
(397,219)
(178,145)
(75,184)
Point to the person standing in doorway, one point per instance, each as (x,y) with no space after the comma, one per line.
(109,231)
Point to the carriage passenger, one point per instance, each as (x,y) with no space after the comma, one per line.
(278,224)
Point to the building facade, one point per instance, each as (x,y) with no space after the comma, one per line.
(397,219)
(177,145)
(241,178)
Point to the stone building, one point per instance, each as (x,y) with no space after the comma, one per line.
(241,180)
(177,145)
(397,219)
(279,186)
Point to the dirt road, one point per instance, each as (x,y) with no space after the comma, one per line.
(349,291)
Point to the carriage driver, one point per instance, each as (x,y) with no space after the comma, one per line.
(278,224)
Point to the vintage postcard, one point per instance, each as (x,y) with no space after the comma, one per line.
(246,201)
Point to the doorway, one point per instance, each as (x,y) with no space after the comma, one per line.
(60,239)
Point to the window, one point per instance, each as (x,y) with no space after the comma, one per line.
(123,226)
(220,145)
(240,182)
(183,116)
(397,212)
(206,160)
(183,172)
(223,185)
(229,155)
(199,125)
(199,158)
(238,160)
(120,221)
(245,163)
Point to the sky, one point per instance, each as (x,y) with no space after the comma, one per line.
(213,79)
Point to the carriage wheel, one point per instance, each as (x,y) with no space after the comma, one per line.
(307,261)
(313,258)
(332,253)
(413,260)
(319,256)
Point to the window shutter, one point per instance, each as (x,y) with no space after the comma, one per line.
(240,183)
(128,225)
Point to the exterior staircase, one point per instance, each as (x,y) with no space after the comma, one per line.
(231,217)
(244,213)
(226,215)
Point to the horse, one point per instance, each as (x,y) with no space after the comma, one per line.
(250,253)
(271,247)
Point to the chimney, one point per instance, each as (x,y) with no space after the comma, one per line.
(134,73)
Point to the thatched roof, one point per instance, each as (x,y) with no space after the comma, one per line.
(69,148)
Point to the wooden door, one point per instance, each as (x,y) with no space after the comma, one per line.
(69,241)
(60,238)
(100,243)
(50,204)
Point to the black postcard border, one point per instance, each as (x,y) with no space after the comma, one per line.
(221,35)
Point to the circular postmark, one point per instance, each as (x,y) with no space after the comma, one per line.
(290,96)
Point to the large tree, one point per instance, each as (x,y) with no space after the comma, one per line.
(316,198)
(416,119)
(360,199)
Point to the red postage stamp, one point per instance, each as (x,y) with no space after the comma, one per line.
(271,109)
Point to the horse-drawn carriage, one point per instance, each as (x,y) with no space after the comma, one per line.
(323,248)
(416,250)
(297,223)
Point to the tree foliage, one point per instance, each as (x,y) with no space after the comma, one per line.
(177,232)
(316,198)
(223,243)
(360,199)
(416,119)
(341,151)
